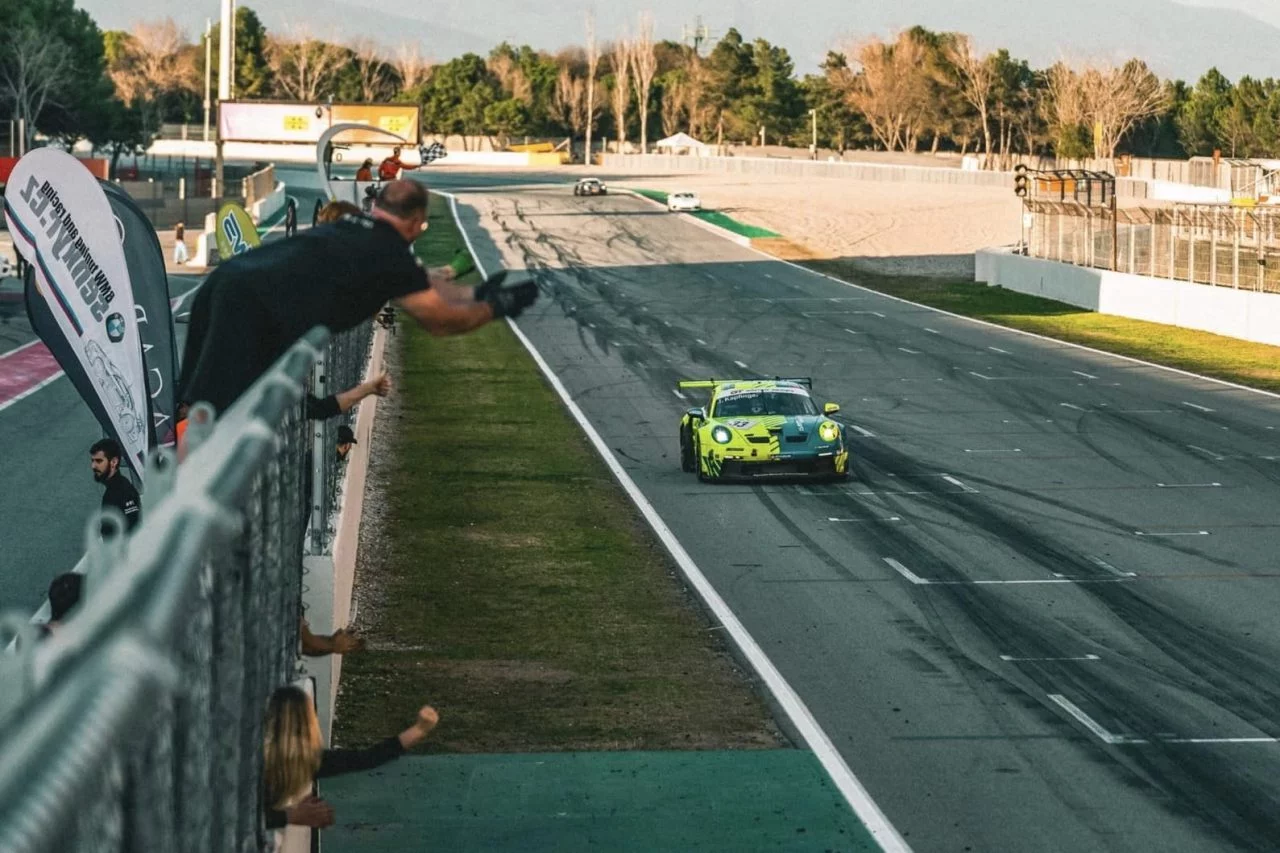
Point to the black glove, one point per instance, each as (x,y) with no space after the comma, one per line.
(507,301)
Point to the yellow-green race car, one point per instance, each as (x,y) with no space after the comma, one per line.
(761,428)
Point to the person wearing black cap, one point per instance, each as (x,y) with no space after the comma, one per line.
(346,440)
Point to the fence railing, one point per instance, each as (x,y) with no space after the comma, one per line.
(138,724)
(1222,245)
(341,367)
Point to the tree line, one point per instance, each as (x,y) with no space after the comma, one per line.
(920,90)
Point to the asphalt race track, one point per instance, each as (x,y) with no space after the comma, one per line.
(1040,615)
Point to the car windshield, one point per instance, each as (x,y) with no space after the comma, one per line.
(764,403)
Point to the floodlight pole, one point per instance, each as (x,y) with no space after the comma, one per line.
(814,115)
(225,73)
(208,73)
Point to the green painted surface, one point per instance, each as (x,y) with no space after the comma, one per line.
(716,218)
(617,801)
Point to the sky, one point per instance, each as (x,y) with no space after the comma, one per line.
(1180,38)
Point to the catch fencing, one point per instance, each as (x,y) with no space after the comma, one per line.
(1222,245)
(138,725)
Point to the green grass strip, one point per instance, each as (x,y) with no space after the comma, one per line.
(520,592)
(1244,362)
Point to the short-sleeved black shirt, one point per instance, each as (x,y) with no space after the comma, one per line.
(123,496)
(253,307)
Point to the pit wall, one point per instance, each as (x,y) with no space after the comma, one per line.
(1245,314)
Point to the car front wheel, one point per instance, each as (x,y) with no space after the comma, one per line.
(688,462)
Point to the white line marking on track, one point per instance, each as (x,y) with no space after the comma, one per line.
(1098,561)
(980,376)
(701,341)
(852,332)
(1189,485)
(1084,719)
(905,572)
(33,389)
(877,313)
(1206,452)
(1194,406)
(931,331)
(1172,533)
(863,520)
(678,394)
(909,351)
(888,837)
(865,433)
(740,364)
(1001,351)
(1019,660)
(1085,375)
(1072,406)
(953,481)
(20,348)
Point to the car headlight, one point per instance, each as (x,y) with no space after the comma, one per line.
(829,431)
(721,435)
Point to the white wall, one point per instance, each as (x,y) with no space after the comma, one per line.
(1244,314)
(350,157)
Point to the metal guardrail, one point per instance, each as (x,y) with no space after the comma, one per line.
(137,725)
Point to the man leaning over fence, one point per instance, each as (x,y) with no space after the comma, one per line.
(252,308)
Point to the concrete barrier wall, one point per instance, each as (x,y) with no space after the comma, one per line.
(1244,314)
(804,169)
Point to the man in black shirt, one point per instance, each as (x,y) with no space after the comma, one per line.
(104,459)
(255,306)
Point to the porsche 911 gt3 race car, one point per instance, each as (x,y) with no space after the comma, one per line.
(761,428)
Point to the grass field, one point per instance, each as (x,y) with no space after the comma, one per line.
(1256,365)
(511,584)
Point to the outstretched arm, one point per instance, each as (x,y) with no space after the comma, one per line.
(442,317)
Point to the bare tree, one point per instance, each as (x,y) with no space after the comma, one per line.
(887,87)
(511,77)
(975,77)
(593,65)
(30,73)
(371,68)
(1117,99)
(413,67)
(570,100)
(645,62)
(148,63)
(620,95)
(674,104)
(303,66)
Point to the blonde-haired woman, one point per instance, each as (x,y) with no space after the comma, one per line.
(294,757)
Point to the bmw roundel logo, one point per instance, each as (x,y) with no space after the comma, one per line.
(115,328)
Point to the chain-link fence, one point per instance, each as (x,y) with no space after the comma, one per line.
(138,725)
(342,367)
(1223,245)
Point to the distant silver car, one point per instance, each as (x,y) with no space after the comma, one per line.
(590,186)
(685,201)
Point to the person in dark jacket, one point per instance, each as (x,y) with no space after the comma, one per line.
(294,757)
(104,459)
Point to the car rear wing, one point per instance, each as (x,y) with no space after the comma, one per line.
(712,383)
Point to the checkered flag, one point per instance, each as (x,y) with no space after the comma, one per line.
(431,153)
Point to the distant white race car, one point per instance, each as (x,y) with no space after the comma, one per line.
(684,202)
(590,186)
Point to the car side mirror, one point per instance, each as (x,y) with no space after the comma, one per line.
(698,414)
(831,408)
